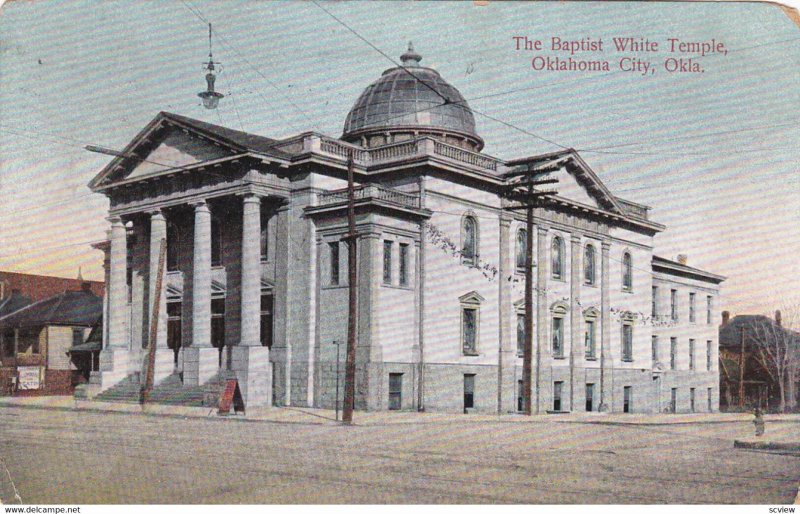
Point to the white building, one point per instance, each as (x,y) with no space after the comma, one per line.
(257,269)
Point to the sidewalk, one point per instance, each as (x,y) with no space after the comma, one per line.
(327,417)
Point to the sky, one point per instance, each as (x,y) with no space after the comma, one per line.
(714,154)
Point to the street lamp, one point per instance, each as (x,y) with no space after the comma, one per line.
(210,97)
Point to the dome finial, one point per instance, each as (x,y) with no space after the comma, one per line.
(410,58)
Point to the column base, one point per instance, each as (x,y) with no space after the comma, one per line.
(164,364)
(114,364)
(200,364)
(253,370)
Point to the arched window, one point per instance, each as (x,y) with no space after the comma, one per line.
(558,258)
(627,271)
(522,247)
(469,252)
(588,265)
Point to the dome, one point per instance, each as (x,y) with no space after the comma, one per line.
(409,101)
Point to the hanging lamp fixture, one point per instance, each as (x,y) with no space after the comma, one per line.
(210,97)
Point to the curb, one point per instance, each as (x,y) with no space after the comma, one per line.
(767,445)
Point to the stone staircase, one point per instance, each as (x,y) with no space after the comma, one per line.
(169,391)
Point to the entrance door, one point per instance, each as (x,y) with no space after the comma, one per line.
(673,400)
(395,391)
(557,388)
(589,397)
(627,394)
(520,395)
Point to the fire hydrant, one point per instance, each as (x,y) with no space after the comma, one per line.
(759,423)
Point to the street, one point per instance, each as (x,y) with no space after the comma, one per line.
(70,457)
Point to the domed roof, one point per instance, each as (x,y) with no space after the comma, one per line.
(411,97)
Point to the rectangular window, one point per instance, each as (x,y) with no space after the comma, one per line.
(558,387)
(172,247)
(216,242)
(709,354)
(395,391)
(558,337)
(673,400)
(520,395)
(266,320)
(710,399)
(691,399)
(589,397)
(334,253)
(174,313)
(77,336)
(589,340)
(673,304)
(709,304)
(692,314)
(520,334)
(627,342)
(691,353)
(387,262)
(627,399)
(654,306)
(218,325)
(469,330)
(469,391)
(673,353)
(403,264)
(264,242)
(654,345)
(28,341)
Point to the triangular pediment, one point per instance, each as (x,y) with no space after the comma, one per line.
(167,142)
(577,182)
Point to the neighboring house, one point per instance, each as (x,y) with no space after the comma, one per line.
(742,371)
(39,287)
(256,268)
(35,342)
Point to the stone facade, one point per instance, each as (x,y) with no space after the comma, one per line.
(255,227)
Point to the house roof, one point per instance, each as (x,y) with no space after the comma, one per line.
(74,308)
(39,287)
(13,303)
(730,333)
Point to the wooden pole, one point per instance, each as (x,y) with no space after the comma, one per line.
(147,387)
(527,351)
(350,364)
(741,367)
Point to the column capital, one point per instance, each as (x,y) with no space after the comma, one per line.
(542,230)
(201,206)
(250,197)
(156,214)
(115,220)
(575,238)
(605,246)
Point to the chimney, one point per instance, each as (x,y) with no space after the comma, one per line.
(86,287)
(778,318)
(726,318)
(682,259)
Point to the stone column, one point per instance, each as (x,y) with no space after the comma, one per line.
(541,312)
(575,313)
(201,359)
(114,359)
(606,393)
(507,348)
(164,363)
(250,360)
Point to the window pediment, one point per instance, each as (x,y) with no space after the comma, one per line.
(471,298)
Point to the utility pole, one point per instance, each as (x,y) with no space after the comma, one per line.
(522,188)
(147,387)
(352,318)
(336,402)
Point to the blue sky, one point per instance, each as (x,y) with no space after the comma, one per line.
(715,154)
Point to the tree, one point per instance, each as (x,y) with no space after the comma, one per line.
(775,345)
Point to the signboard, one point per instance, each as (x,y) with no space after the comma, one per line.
(28,377)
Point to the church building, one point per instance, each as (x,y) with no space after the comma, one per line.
(256,280)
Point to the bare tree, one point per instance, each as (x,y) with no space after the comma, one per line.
(776,346)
